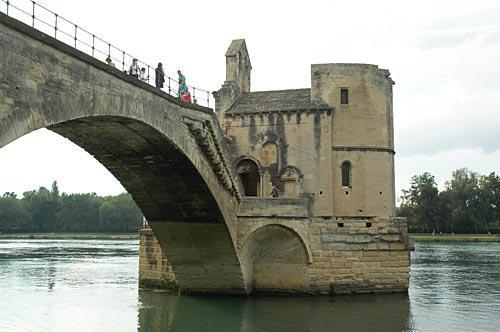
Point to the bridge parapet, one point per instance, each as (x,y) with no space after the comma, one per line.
(39,17)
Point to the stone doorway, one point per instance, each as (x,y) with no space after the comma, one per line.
(250,177)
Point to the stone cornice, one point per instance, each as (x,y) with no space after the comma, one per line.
(327,110)
(204,135)
(363,149)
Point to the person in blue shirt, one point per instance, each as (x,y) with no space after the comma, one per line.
(182,83)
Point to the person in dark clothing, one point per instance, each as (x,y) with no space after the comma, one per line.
(275,192)
(160,76)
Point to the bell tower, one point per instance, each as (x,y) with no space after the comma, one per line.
(238,69)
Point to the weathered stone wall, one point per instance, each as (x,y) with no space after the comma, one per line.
(372,190)
(338,255)
(361,256)
(154,270)
(303,141)
(316,142)
(362,134)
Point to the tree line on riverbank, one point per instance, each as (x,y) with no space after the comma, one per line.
(45,210)
(469,203)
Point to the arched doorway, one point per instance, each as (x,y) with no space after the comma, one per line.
(250,177)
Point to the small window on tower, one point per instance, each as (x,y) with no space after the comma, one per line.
(344,96)
(346,174)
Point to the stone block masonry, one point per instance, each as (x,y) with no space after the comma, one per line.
(359,256)
(314,256)
(154,270)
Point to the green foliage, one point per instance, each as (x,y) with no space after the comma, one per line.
(49,211)
(470,203)
(13,213)
(119,214)
(78,213)
(420,202)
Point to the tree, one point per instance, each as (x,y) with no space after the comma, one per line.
(78,213)
(43,205)
(49,211)
(120,214)
(464,197)
(489,199)
(420,203)
(13,214)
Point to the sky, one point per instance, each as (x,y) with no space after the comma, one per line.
(444,56)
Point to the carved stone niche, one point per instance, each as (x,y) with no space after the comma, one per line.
(267,184)
(291,179)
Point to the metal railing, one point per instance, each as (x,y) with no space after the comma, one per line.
(49,22)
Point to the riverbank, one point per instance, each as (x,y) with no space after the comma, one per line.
(134,236)
(456,237)
(69,236)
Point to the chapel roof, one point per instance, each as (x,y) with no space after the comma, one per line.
(274,101)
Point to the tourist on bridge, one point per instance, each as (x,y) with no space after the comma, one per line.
(134,69)
(160,76)
(110,62)
(143,76)
(186,96)
(182,83)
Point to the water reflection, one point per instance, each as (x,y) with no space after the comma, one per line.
(69,285)
(456,286)
(167,312)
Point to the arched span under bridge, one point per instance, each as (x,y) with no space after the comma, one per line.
(170,156)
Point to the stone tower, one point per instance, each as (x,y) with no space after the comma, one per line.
(238,69)
(362,136)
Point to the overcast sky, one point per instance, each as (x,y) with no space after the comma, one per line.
(443,55)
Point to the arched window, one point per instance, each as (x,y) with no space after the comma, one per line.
(269,154)
(346,174)
(249,175)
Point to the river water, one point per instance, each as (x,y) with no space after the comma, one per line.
(71,285)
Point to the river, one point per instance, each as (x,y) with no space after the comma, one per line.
(87,285)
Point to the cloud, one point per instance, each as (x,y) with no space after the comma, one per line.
(449,98)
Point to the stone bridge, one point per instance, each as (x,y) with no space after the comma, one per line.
(176,163)
(169,155)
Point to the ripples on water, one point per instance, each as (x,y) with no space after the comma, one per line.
(87,285)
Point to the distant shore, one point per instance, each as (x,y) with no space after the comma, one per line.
(69,236)
(456,237)
(134,236)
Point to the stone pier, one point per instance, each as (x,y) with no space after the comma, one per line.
(154,270)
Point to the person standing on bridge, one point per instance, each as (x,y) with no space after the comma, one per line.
(143,76)
(110,62)
(134,69)
(182,83)
(160,76)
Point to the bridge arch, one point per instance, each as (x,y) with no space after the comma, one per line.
(170,156)
(275,259)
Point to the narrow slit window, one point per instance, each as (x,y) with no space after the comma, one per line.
(344,96)
(346,174)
